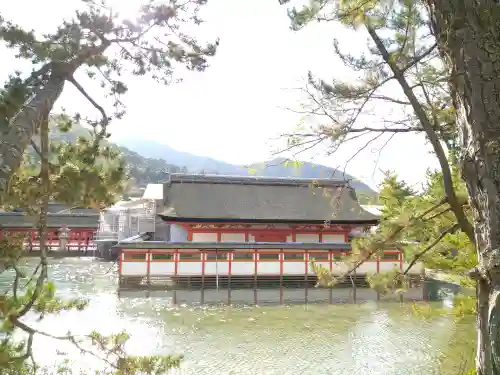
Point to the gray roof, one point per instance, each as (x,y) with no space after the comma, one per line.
(207,197)
(71,220)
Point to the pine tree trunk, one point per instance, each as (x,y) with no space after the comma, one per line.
(469,39)
(24,126)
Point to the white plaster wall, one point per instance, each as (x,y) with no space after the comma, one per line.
(333,238)
(268,268)
(232,237)
(189,269)
(289,238)
(162,268)
(204,237)
(293,268)
(307,238)
(416,269)
(177,233)
(134,268)
(242,268)
(339,268)
(367,267)
(217,268)
(388,266)
(251,238)
(311,271)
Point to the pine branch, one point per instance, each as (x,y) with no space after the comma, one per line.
(419,255)
(465,224)
(105,118)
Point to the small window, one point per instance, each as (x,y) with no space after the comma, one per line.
(163,256)
(187,256)
(242,256)
(338,257)
(132,256)
(318,257)
(288,256)
(390,256)
(264,256)
(216,256)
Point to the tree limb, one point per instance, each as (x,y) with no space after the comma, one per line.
(464,223)
(89,98)
(451,229)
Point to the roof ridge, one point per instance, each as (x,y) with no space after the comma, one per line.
(254,180)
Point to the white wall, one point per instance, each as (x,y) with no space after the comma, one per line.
(307,238)
(177,233)
(333,238)
(233,237)
(204,237)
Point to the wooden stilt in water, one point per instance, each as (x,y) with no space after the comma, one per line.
(354,286)
(306,279)
(229,258)
(217,270)
(281,276)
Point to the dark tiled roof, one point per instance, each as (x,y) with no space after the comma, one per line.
(71,220)
(202,197)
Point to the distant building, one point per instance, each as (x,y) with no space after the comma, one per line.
(250,227)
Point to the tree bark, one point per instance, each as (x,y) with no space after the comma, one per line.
(469,40)
(24,126)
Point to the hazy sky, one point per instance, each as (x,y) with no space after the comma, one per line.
(235,110)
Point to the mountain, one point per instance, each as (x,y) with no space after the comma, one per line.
(142,170)
(149,162)
(273,168)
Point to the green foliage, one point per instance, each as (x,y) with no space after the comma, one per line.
(343,108)
(87,171)
(402,50)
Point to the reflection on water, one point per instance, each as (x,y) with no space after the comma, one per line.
(365,338)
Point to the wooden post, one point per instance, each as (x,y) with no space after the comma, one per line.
(282,259)
(354,286)
(229,259)
(255,286)
(401,266)
(378,272)
(148,260)
(330,258)
(306,277)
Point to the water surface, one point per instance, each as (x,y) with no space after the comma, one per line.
(372,338)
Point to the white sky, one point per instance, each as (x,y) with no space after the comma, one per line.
(232,111)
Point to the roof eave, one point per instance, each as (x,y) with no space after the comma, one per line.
(373,221)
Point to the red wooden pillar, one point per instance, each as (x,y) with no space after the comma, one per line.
(176,262)
(120,263)
(203,262)
(282,256)
(148,260)
(306,275)
(51,235)
(255,268)
(79,241)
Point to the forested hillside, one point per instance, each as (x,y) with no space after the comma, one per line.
(149,162)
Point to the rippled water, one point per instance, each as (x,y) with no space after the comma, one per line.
(366,338)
